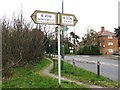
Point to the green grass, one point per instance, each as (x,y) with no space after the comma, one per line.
(26,77)
(85,76)
(0,85)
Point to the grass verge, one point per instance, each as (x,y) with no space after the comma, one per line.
(26,77)
(85,76)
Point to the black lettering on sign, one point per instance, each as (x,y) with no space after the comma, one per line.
(47,16)
(63,17)
(68,18)
(41,15)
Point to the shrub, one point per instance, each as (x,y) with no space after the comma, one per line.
(20,44)
(89,50)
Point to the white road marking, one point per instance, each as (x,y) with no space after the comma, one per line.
(95,62)
(116,56)
(109,64)
(85,56)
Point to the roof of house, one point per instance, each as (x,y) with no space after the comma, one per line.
(105,32)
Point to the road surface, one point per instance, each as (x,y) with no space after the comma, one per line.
(108,66)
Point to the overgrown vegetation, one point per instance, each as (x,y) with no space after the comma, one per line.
(29,77)
(21,44)
(89,50)
(89,43)
(85,76)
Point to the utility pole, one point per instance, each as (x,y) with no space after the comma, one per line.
(62,40)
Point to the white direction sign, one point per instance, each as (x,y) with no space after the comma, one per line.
(44,17)
(68,20)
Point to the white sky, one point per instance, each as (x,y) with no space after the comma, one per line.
(92,13)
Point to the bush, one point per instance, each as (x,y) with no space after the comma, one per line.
(20,44)
(89,50)
(67,51)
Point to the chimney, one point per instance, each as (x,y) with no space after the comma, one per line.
(102,29)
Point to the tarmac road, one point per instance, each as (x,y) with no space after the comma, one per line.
(108,64)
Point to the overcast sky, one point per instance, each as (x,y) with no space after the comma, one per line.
(90,13)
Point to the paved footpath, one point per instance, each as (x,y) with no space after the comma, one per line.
(47,70)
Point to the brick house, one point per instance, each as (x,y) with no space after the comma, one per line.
(108,42)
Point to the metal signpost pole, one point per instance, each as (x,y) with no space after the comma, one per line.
(74,42)
(59,66)
(0,51)
(62,40)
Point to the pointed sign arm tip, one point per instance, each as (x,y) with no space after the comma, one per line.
(75,20)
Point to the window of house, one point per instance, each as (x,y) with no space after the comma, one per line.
(110,50)
(110,43)
(110,37)
(103,45)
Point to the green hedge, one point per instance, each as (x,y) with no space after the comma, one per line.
(89,50)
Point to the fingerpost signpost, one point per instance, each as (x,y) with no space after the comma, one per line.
(53,18)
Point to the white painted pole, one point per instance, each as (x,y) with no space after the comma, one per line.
(0,51)
(59,65)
